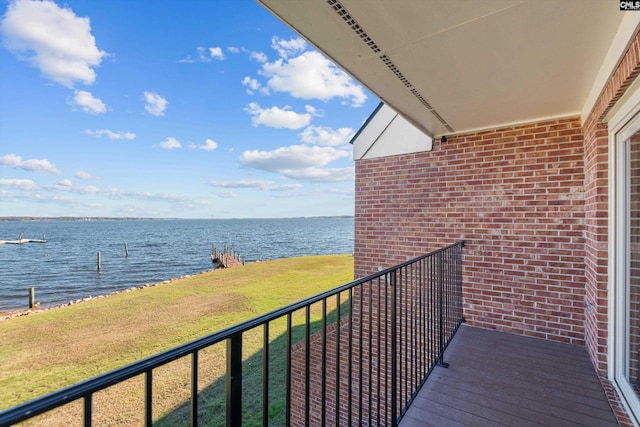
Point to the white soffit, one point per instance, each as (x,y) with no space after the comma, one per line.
(453,66)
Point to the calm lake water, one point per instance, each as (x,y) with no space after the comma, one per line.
(64,268)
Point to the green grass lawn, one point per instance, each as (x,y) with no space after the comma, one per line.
(53,349)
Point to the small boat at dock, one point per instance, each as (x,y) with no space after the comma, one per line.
(22,240)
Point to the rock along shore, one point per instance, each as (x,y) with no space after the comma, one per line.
(27,312)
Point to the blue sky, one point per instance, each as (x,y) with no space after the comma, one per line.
(162,108)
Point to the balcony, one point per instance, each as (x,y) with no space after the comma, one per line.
(497,378)
(371,352)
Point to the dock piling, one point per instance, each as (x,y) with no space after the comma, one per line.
(99,261)
(32,298)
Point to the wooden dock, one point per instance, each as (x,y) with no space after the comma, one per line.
(226,258)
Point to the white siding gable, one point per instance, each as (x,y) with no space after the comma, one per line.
(387,133)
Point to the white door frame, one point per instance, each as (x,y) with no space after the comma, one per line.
(623,122)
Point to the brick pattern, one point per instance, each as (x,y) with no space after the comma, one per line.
(515,195)
(624,75)
(596,187)
(334,369)
(596,244)
(357,354)
(616,405)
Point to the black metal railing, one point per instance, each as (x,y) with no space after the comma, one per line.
(355,355)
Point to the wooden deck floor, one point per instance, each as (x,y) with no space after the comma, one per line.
(500,379)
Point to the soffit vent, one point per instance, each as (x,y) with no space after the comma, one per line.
(395,70)
(430,108)
(348,19)
(360,32)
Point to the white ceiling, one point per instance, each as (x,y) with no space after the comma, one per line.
(451,66)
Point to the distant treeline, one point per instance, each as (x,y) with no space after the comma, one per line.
(125,218)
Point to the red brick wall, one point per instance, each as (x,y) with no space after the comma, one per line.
(515,195)
(596,243)
(596,217)
(596,205)
(352,358)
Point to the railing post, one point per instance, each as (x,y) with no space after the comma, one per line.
(394,356)
(234,380)
(459,279)
(88,407)
(440,275)
(288,364)
(148,398)
(265,375)
(194,389)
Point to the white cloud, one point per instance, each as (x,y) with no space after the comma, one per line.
(209,145)
(293,157)
(312,76)
(321,174)
(155,104)
(88,189)
(350,192)
(83,175)
(22,184)
(228,194)
(254,85)
(170,143)
(112,193)
(255,183)
(312,110)
(277,117)
(216,53)
(251,84)
(67,186)
(233,49)
(110,134)
(52,39)
(33,165)
(258,56)
(322,135)
(87,102)
(63,191)
(205,55)
(243,183)
(287,48)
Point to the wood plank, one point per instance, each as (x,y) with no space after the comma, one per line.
(496,378)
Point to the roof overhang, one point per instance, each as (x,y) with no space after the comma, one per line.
(453,66)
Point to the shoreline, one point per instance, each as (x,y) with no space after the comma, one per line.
(6,315)
(47,352)
(11,314)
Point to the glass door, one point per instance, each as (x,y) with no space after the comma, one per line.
(627,286)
